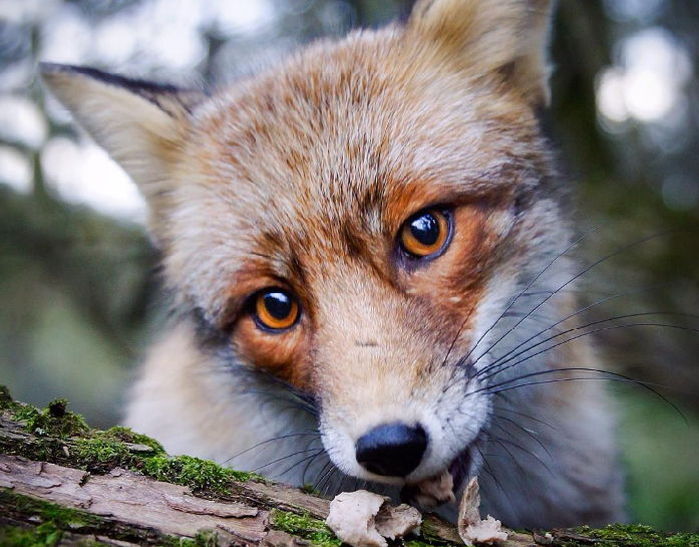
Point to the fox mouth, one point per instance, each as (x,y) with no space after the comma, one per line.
(461,467)
(433,492)
(466,463)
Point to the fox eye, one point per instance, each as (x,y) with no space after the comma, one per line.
(425,234)
(275,309)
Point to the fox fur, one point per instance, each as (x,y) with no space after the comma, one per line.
(301,177)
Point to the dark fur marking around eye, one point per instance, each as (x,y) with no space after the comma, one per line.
(209,336)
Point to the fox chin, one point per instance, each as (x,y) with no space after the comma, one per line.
(367,251)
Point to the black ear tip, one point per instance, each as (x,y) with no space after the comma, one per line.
(55,68)
(52,72)
(57,76)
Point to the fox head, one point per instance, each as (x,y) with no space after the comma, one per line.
(353,221)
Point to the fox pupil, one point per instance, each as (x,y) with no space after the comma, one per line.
(425,229)
(278,304)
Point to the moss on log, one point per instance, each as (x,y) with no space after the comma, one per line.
(62,482)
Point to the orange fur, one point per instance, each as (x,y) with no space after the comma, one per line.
(301,178)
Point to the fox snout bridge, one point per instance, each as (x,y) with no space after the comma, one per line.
(392,449)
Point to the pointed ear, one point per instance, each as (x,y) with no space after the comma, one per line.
(140,124)
(509,37)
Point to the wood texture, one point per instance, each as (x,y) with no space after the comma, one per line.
(52,492)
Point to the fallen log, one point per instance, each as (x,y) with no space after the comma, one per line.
(62,482)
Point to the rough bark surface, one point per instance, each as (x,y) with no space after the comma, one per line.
(64,483)
(131,498)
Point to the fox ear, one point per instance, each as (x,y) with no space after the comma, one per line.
(509,37)
(140,124)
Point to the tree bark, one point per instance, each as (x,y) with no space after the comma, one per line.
(64,483)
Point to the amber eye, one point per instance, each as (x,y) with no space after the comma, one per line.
(275,309)
(425,234)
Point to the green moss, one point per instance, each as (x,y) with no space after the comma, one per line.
(102,451)
(55,520)
(63,437)
(54,420)
(206,538)
(101,455)
(428,532)
(305,526)
(126,435)
(45,535)
(196,473)
(6,400)
(636,535)
(113,447)
(244,476)
(310,489)
(24,413)
(62,517)
(417,543)
(429,536)
(105,450)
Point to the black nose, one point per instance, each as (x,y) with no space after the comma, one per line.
(392,449)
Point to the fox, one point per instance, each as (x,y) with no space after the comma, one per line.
(366,248)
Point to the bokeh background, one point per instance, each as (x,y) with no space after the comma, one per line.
(78,294)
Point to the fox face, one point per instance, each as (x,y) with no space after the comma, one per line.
(356,221)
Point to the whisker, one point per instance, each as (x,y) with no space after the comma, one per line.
(274,397)
(522,314)
(323,470)
(273,439)
(285,457)
(502,442)
(334,471)
(561,370)
(606,375)
(485,374)
(528,416)
(456,336)
(557,290)
(341,486)
(528,452)
(526,289)
(305,470)
(309,459)
(489,471)
(577,312)
(568,379)
(508,454)
(529,433)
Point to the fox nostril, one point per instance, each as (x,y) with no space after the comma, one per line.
(392,449)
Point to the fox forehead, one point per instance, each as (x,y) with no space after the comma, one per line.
(335,121)
(335,149)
